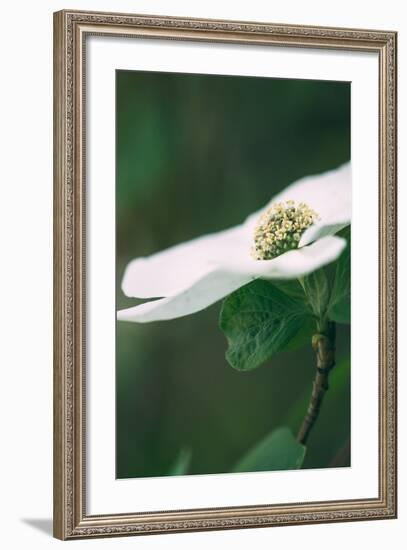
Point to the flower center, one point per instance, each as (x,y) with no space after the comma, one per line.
(280,228)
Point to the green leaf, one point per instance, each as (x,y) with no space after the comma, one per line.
(277,451)
(181,465)
(259,320)
(313,290)
(316,289)
(339,304)
(291,287)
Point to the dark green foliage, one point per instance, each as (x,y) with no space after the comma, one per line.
(277,451)
(182,463)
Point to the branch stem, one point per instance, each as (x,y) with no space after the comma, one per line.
(323,344)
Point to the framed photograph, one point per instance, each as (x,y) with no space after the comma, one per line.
(225,274)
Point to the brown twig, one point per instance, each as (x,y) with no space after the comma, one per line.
(323,344)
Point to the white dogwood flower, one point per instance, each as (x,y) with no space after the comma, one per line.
(290,237)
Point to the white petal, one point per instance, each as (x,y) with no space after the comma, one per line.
(201,294)
(320,230)
(294,263)
(329,194)
(233,274)
(169,272)
(195,274)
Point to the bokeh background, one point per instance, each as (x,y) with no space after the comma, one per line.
(197,154)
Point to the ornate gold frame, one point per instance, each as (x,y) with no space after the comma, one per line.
(70,31)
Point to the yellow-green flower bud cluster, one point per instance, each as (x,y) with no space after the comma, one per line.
(280,228)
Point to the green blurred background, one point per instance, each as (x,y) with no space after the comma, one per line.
(197,154)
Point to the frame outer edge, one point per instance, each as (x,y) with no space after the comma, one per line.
(395,259)
(391,80)
(70,521)
(59,432)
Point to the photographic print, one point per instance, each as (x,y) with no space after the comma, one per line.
(233,247)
